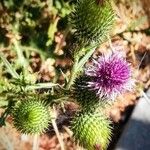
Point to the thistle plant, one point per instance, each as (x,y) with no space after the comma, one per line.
(110,76)
(31,116)
(92,21)
(30,103)
(85,97)
(92,130)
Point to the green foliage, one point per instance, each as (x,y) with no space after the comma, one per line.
(92,130)
(21,91)
(32,21)
(92,21)
(63,8)
(31,116)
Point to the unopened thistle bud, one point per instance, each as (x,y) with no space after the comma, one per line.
(92,131)
(86,98)
(31,116)
(92,20)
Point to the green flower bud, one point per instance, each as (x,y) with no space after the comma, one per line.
(92,131)
(31,116)
(86,98)
(92,21)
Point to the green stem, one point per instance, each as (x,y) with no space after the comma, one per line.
(78,65)
(73,74)
(85,59)
(19,51)
(9,67)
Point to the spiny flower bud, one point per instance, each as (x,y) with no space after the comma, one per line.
(110,76)
(86,98)
(31,116)
(92,131)
(92,21)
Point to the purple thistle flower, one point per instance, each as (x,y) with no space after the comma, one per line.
(110,76)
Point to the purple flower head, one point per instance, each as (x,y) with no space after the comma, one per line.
(110,76)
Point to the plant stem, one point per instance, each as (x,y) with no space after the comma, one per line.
(21,57)
(9,67)
(56,130)
(78,65)
(57,134)
(85,59)
(35,142)
(73,74)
